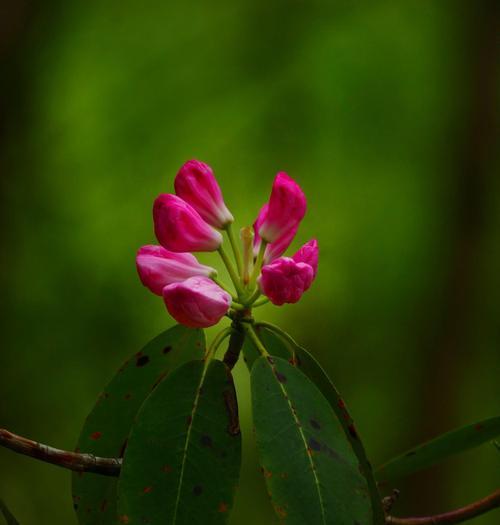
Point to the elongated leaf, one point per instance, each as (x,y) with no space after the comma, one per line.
(7,514)
(312,369)
(440,448)
(307,364)
(107,427)
(182,462)
(309,466)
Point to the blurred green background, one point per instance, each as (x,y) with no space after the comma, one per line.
(385,112)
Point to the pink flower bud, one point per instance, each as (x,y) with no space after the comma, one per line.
(197,302)
(284,280)
(196,184)
(276,248)
(287,207)
(308,254)
(179,227)
(158,267)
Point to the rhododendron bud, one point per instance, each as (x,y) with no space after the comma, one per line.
(308,254)
(179,227)
(285,280)
(276,248)
(286,208)
(196,302)
(158,267)
(196,184)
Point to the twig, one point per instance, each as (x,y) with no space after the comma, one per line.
(235,344)
(455,516)
(62,458)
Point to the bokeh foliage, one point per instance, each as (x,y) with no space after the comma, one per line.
(369,105)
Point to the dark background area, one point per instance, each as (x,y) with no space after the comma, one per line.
(385,112)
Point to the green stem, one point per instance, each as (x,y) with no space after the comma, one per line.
(253,297)
(260,302)
(238,306)
(280,333)
(219,338)
(255,338)
(235,247)
(230,269)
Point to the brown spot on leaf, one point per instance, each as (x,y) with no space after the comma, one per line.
(280,511)
(352,431)
(127,396)
(159,380)
(123,518)
(315,424)
(223,507)
(315,445)
(147,490)
(166,350)
(271,360)
(280,377)
(104,505)
(266,473)
(197,490)
(341,403)
(206,441)
(478,426)
(96,435)
(167,469)
(142,361)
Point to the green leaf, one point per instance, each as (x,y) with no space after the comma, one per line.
(440,448)
(107,427)
(308,365)
(182,462)
(313,370)
(9,517)
(310,469)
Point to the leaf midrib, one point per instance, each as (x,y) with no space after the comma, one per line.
(304,440)
(188,440)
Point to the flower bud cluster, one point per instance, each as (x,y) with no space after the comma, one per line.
(193,219)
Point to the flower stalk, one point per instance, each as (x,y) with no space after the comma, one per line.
(246,235)
(230,268)
(235,248)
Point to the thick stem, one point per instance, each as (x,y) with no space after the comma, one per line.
(455,516)
(62,458)
(235,345)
